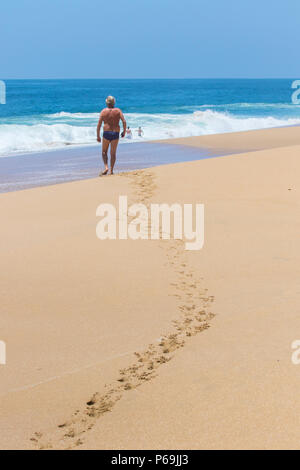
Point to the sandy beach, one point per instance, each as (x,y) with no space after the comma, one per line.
(123,344)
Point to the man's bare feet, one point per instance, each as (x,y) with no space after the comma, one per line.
(104,172)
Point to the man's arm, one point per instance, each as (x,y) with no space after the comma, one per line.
(99,127)
(124,124)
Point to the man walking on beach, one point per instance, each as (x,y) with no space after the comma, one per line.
(111,117)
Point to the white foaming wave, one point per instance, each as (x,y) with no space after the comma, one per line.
(64,114)
(18,138)
(288,106)
(24,138)
(164,126)
(247,105)
(213,122)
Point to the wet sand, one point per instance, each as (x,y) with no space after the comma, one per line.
(31,170)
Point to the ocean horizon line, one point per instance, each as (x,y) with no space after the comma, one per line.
(147,78)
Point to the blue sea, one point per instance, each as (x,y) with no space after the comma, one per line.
(41,115)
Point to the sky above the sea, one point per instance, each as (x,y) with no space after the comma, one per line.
(149,39)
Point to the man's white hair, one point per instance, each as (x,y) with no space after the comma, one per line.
(110,100)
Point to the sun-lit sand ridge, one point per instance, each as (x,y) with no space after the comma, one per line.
(140,344)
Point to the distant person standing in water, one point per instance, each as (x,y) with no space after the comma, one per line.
(128,133)
(140,132)
(111,118)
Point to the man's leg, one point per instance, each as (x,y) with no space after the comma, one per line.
(105,145)
(113,153)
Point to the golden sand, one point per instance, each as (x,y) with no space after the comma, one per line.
(127,344)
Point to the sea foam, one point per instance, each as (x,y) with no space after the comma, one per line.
(58,130)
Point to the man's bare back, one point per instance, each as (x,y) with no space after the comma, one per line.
(111,119)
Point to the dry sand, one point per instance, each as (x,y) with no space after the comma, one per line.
(243,141)
(212,329)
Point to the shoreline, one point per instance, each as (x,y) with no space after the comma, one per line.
(195,141)
(243,141)
(57,166)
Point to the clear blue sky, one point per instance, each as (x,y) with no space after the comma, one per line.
(149,38)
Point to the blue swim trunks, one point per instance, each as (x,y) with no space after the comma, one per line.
(110,135)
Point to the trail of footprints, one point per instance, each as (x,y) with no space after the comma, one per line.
(194,317)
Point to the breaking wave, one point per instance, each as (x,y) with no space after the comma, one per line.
(58,130)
